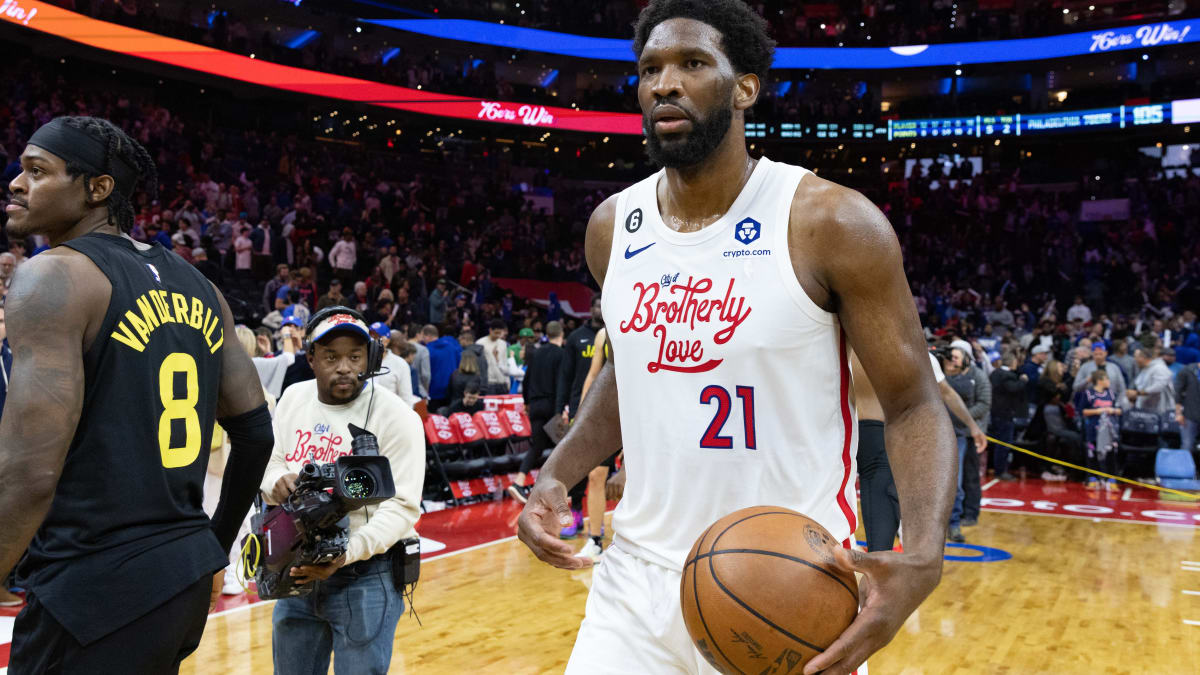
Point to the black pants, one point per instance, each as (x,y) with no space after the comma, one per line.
(880,501)
(152,644)
(971,488)
(538,442)
(1001,429)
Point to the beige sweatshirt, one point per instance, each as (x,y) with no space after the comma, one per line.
(308,430)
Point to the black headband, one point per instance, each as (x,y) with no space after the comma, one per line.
(76,146)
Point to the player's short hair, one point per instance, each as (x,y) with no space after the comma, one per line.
(743,32)
(554,329)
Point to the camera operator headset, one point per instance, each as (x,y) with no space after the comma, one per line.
(356,595)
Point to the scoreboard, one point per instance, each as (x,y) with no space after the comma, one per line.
(985,126)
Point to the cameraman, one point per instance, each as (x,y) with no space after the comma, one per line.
(354,607)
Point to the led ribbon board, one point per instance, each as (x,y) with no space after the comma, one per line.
(911,56)
(47,18)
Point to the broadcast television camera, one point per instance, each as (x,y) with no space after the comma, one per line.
(312,527)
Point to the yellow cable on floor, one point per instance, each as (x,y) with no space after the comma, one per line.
(1181,493)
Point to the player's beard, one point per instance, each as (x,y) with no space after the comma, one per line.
(691,147)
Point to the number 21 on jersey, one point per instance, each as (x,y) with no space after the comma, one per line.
(183,409)
(715,393)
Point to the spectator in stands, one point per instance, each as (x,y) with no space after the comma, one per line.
(1033,368)
(466,340)
(419,337)
(221,230)
(541,396)
(1058,429)
(271,292)
(444,355)
(975,390)
(243,254)
(208,268)
(1187,405)
(495,353)
(333,297)
(1116,379)
(468,373)
(1168,357)
(1009,401)
(1153,388)
(1000,317)
(518,351)
(8,266)
(360,300)
(1079,311)
(1101,427)
(437,303)
(344,256)
(395,377)
(1121,357)
(471,401)
(272,368)
(306,286)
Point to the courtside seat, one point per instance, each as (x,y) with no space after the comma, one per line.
(1176,469)
(498,437)
(475,457)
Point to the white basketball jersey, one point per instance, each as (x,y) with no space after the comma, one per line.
(734,385)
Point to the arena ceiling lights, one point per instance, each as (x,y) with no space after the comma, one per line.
(912,56)
(47,18)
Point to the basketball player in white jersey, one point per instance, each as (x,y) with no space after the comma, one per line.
(733,290)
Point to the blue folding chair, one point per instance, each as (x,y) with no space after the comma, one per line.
(1176,469)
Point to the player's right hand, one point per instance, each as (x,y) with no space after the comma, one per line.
(544,516)
(283,487)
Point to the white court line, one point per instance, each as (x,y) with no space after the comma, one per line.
(1185,568)
(996,509)
(1190,562)
(1128,491)
(989,484)
(1187,592)
(1186,621)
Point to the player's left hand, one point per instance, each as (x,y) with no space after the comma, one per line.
(894,585)
(218,582)
(308,573)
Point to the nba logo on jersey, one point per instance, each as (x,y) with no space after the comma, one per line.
(154,271)
(747,231)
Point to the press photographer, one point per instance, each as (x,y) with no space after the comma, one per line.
(355,605)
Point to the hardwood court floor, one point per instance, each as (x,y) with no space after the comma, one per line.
(1077,596)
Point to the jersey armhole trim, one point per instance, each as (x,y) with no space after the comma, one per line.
(786,271)
(614,245)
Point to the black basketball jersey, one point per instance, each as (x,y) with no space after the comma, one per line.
(126,530)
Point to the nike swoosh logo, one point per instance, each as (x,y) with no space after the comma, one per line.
(629,254)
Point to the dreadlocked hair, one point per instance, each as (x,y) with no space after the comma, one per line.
(743,32)
(117,144)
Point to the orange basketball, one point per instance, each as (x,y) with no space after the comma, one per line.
(760,592)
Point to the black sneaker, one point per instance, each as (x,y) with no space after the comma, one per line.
(520,492)
(969,522)
(955,535)
(1007,477)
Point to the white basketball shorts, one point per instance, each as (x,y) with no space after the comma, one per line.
(633,622)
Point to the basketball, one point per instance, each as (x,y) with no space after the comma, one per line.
(760,591)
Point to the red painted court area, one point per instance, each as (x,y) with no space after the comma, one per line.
(1073,500)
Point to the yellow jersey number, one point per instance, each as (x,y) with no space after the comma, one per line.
(179,409)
